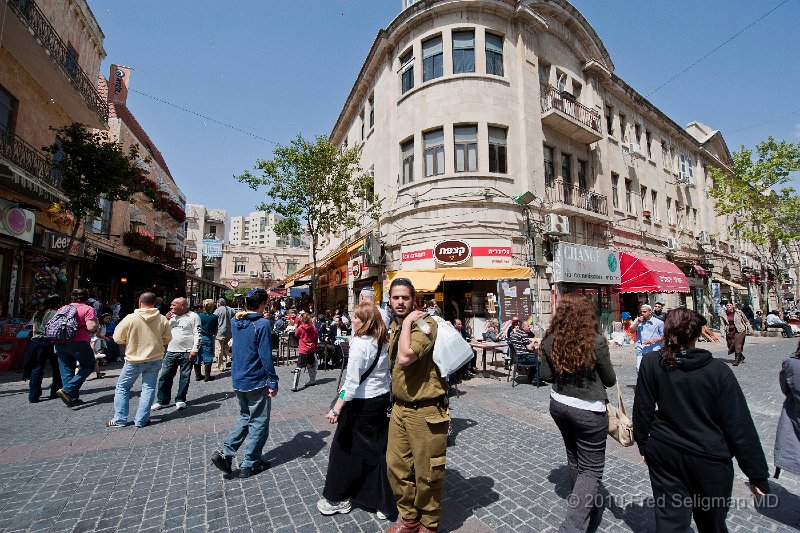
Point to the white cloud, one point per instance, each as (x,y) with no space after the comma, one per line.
(796,130)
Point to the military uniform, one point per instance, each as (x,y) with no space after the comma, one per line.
(415,455)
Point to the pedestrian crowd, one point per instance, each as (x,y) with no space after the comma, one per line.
(388,453)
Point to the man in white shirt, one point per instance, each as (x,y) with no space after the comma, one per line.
(774,321)
(181,351)
(367,295)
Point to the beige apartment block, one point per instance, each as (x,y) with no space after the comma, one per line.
(461,107)
(261,266)
(209,225)
(258,229)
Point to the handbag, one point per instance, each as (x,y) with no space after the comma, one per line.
(364,376)
(620,426)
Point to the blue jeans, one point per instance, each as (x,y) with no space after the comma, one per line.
(172,362)
(130,373)
(69,355)
(254,409)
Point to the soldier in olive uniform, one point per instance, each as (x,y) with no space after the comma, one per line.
(415,455)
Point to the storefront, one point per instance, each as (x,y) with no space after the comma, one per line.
(362,275)
(16,232)
(590,271)
(466,277)
(649,279)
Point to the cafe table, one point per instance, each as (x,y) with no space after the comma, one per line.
(488,346)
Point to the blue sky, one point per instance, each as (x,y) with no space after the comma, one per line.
(281,67)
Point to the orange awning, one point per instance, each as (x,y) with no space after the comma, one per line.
(430,279)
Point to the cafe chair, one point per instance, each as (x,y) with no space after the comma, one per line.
(518,365)
(292,343)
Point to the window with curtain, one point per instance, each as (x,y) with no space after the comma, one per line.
(566,169)
(466,148)
(432,57)
(654,204)
(615,190)
(407,156)
(549,166)
(463,51)
(433,144)
(494,54)
(407,71)
(371,111)
(629,206)
(497,150)
(643,194)
(582,175)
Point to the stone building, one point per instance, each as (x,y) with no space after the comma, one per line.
(205,236)
(261,266)
(515,166)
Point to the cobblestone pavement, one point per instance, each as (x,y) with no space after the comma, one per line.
(61,470)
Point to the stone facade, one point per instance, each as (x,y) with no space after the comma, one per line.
(205,223)
(462,106)
(266,264)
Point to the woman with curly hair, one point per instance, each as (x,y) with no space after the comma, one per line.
(689,419)
(575,359)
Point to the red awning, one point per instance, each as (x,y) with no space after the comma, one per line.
(700,271)
(645,273)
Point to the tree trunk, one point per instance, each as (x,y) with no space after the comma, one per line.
(314,269)
(76,226)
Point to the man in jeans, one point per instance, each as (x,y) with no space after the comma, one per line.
(224,316)
(77,350)
(145,333)
(184,326)
(255,384)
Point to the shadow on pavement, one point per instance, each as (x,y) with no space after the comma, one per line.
(781,506)
(473,493)
(305,444)
(193,409)
(457,425)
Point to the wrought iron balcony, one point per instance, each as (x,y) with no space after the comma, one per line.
(28,158)
(37,24)
(562,112)
(573,200)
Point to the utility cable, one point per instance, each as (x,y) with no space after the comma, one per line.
(734,36)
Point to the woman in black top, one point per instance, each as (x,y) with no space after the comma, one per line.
(690,418)
(576,359)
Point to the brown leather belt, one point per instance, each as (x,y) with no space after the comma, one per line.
(421,403)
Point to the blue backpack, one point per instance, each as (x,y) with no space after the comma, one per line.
(64,324)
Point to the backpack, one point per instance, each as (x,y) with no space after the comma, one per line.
(64,324)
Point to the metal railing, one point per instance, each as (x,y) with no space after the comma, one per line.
(559,192)
(28,158)
(562,101)
(32,16)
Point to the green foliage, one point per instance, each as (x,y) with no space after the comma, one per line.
(764,209)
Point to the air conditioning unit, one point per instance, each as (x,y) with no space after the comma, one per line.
(672,243)
(556,224)
(253,273)
(704,238)
(636,150)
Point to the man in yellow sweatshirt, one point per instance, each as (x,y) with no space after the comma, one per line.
(145,333)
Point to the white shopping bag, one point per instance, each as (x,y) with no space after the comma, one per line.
(451,351)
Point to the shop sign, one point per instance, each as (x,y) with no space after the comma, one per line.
(340,275)
(57,242)
(323,280)
(458,252)
(357,266)
(16,222)
(576,263)
(212,247)
(452,252)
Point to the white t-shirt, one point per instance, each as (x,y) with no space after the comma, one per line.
(361,355)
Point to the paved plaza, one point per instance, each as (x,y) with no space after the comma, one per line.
(61,470)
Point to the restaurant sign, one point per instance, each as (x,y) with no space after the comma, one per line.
(446,253)
(576,263)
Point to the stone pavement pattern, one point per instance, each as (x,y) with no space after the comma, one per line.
(61,470)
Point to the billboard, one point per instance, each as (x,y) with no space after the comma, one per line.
(212,247)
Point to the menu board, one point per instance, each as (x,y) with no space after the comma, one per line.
(515,299)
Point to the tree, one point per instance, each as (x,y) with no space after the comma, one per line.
(755,195)
(317,188)
(92,167)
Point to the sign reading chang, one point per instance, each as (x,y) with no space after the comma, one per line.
(576,263)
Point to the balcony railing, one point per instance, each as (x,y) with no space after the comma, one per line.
(558,192)
(28,158)
(44,32)
(563,101)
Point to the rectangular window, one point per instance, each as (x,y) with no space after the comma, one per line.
(629,196)
(407,150)
(638,133)
(463,51)
(623,126)
(466,148)
(670,213)
(577,89)
(239,268)
(654,204)
(682,168)
(694,220)
(432,64)
(690,168)
(610,120)
(566,170)
(664,154)
(648,137)
(549,166)
(582,175)
(8,106)
(433,144)
(363,125)
(497,150)
(407,71)
(544,73)
(291,268)
(71,61)
(615,190)
(371,111)
(643,193)
(266,265)
(494,54)
(561,81)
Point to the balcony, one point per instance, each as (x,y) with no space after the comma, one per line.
(39,174)
(569,199)
(40,50)
(562,112)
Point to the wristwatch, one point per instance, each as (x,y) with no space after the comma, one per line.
(335,413)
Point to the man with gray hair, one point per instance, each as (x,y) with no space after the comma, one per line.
(649,333)
(184,326)
(367,295)
(224,317)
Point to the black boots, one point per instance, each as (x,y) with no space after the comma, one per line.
(739,358)
(198,374)
(207,367)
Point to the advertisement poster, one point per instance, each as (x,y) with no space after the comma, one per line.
(515,299)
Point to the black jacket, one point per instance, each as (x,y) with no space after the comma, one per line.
(698,408)
(591,386)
